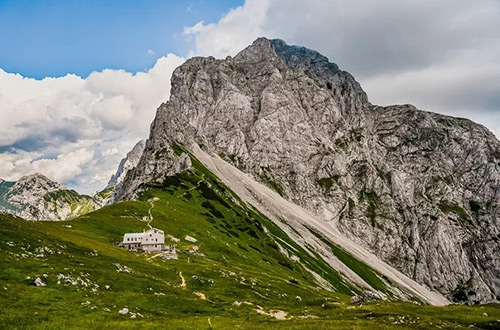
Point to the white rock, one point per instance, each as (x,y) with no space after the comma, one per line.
(39,282)
(123,311)
(190,239)
(173,238)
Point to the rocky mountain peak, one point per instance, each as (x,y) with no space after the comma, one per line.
(418,189)
(261,50)
(37,177)
(38,181)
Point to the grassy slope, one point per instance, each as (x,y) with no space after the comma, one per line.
(372,277)
(240,262)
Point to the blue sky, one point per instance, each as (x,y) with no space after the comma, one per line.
(52,38)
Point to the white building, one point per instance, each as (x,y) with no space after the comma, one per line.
(152,240)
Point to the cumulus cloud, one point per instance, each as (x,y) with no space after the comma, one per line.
(238,28)
(75,130)
(439,55)
(61,168)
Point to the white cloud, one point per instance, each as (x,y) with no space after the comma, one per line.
(62,168)
(439,55)
(233,32)
(151,52)
(73,129)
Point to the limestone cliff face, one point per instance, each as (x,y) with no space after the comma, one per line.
(419,189)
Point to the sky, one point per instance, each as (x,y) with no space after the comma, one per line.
(80,81)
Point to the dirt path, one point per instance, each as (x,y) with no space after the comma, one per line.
(277,314)
(152,203)
(183,284)
(200,295)
(275,207)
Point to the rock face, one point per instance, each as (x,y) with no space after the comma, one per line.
(130,161)
(35,197)
(164,162)
(419,189)
(108,195)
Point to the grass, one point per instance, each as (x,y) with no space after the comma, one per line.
(449,208)
(327,183)
(372,209)
(231,240)
(106,193)
(79,204)
(368,274)
(267,179)
(240,259)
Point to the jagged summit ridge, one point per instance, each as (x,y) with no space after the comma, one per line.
(419,189)
(40,181)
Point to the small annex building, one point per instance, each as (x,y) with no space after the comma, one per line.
(152,240)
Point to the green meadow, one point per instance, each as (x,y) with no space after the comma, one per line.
(237,275)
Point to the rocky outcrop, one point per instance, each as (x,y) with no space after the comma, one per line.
(35,197)
(419,189)
(367,296)
(130,161)
(108,195)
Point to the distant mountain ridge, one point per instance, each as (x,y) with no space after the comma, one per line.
(35,197)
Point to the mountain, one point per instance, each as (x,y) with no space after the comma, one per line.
(127,163)
(35,197)
(413,194)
